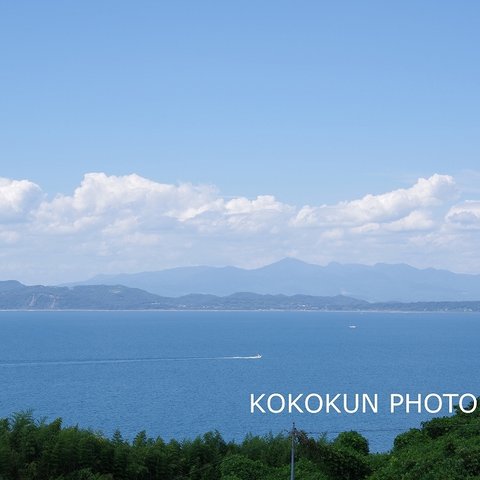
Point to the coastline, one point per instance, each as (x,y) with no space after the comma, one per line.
(210,310)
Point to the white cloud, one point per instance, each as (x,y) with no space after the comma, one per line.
(17,199)
(130,203)
(101,200)
(387,207)
(465,215)
(416,220)
(130,223)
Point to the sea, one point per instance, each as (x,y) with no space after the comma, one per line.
(178,374)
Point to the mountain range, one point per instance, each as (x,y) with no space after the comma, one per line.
(16,296)
(375,283)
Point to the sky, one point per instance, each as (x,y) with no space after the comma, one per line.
(144,135)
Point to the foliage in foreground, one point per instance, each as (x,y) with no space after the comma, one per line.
(443,448)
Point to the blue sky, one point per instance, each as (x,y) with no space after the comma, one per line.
(311,102)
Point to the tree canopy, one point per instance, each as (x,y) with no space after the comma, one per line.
(447,447)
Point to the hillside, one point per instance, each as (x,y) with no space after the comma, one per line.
(16,296)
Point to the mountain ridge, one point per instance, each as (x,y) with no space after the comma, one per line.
(381,282)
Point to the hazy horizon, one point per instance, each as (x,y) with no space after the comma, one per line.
(333,262)
(381,282)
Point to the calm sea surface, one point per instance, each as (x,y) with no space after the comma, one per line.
(164,371)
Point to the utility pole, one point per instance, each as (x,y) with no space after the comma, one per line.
(292,458)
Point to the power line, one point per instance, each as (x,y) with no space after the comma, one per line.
(292,455)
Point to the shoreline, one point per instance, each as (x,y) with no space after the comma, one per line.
(220,310)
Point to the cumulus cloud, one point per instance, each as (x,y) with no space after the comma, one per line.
(129,203)
(130,223)
(414,221)
(101,200)
(17,199)
(387,207)
(465,215)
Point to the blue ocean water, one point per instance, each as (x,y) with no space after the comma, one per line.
(166,372)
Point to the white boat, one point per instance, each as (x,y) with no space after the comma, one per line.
(352,326)
(257,356)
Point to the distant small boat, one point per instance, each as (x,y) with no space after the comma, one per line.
(352,326)
(257,356)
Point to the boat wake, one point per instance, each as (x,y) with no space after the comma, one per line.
(252,357)
(121,360)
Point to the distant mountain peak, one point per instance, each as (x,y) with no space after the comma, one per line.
(289,261)
(290,276)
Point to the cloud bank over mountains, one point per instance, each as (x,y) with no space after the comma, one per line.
(129,223)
